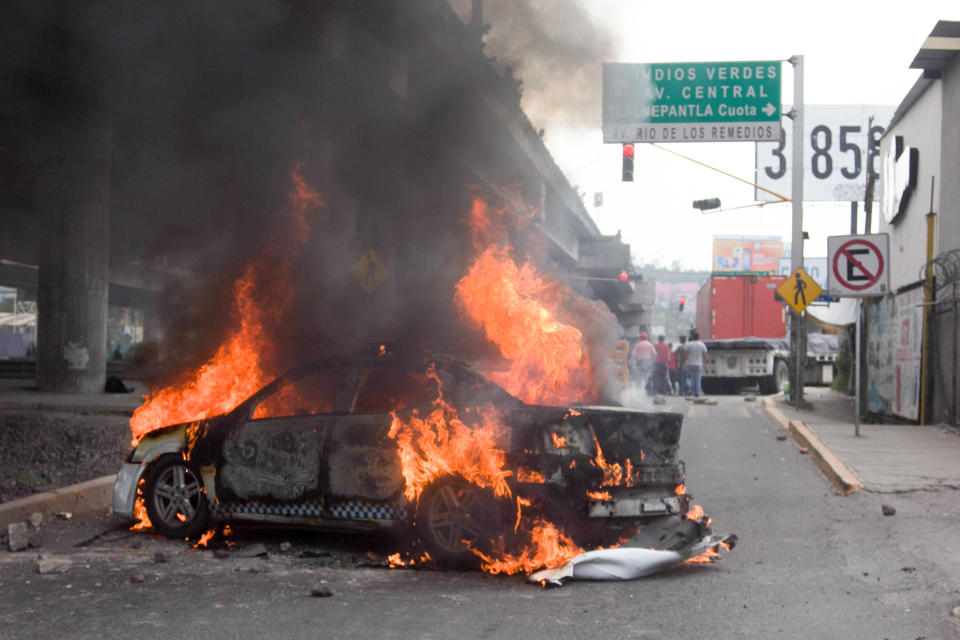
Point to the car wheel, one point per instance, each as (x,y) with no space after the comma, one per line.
(454,516)
(175,500)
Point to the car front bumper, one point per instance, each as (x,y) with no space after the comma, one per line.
(125,489)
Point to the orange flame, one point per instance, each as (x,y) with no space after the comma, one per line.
(695,512)
(680,490)
(709,556)
(140,511)
(526,474)
(558,440)
(599,495)
(519,310)
(547,547)
(440,444)
(205,539)
(237,369)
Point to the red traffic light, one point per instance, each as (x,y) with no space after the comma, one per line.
(624,276)
(628,151)
(682,301)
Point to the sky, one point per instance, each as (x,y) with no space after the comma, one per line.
(855,53)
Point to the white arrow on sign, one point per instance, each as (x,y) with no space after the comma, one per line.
(769,109)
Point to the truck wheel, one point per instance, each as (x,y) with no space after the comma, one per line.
(773,383)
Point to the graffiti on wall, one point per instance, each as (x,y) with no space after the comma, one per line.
(894,350)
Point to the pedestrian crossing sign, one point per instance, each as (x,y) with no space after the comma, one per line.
(799,290)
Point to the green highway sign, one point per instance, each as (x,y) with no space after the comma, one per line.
(691,101)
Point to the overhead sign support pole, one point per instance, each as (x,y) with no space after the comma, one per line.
(797,329)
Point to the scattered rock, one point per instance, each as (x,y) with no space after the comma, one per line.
(221,554)
(63,515)
(159,557)
(36,519)
(18,538)
(908,569)
(659,400)
(253,551)
(955,612)
(782,437)
(888,510)
(137,578)
(321,592)
(285,546)
(311,553)
(750,399)
(257,567)
(51,564)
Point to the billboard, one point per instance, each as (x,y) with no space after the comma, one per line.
(747,253)
(836,142)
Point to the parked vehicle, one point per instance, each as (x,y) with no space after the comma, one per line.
(314,448)
(744,328)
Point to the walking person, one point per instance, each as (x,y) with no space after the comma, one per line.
(680,355)
(643,355)
(695,352)
(672,372)
(661,375)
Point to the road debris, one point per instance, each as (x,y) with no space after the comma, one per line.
(321,592)
(888,510)
(137,578)
(802,450)
(782,437)
(159,557)
(750,398)
(253,551)
(629,563)
(18,538)
(52,564)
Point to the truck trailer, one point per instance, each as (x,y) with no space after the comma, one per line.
(745,330)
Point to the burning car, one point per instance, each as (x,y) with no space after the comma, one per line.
(420,445)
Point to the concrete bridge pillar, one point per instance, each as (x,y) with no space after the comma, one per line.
(74,207)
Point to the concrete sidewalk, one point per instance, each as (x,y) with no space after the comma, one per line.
(23,394)
(884,458)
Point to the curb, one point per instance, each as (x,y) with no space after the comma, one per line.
(839,474)
(87,496)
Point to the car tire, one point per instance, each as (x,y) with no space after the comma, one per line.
(175,499)
(453,516)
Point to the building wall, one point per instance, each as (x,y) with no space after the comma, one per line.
(948,218)
(920,127)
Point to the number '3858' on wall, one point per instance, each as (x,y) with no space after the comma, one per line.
(836,143)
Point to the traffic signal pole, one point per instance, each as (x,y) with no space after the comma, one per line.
(798,332)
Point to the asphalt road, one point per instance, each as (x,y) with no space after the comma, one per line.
(810,564)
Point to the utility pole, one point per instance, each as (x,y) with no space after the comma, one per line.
(798,332)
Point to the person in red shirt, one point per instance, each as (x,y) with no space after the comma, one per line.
(672,371)
(661,379)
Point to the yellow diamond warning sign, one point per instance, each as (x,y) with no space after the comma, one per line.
(369,271)
(799,290)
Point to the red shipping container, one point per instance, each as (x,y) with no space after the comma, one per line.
(740,306)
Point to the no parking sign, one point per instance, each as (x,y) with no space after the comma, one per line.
(858,265)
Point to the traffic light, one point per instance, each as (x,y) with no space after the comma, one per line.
(682,301)
(628,163)
(624,276)
(709,203)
